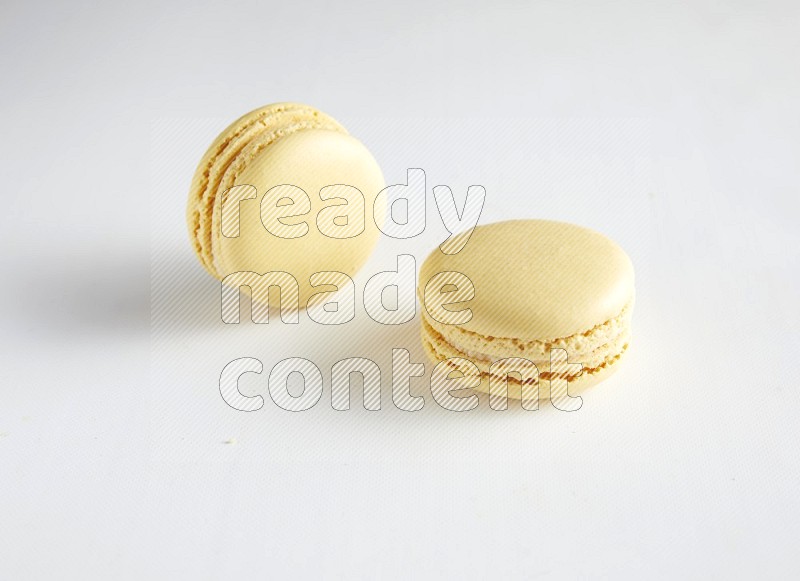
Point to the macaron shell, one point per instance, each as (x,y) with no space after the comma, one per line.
(309,159)
(576,385)
(592,350)
(538,279)
(274,120)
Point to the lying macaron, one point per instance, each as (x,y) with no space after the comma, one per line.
(538,286)
(290,152)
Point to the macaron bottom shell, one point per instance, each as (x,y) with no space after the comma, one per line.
(439,350)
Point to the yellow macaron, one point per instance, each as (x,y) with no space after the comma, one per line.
(537,286)
(284,148)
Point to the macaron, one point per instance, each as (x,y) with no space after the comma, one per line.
(279,150)
(537,286)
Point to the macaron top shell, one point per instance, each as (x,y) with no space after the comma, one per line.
(228,154)
(538,280)
(310,160)
(284,144)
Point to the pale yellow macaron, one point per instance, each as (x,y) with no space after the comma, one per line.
(284,151)
(537,285)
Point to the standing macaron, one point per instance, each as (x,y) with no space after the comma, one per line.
(304,202)
(537,286)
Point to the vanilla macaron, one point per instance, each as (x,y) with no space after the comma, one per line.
(284,151)
(537,286)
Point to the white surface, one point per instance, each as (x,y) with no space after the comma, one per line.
(672,128)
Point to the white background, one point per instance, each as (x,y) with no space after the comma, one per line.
(672,127)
